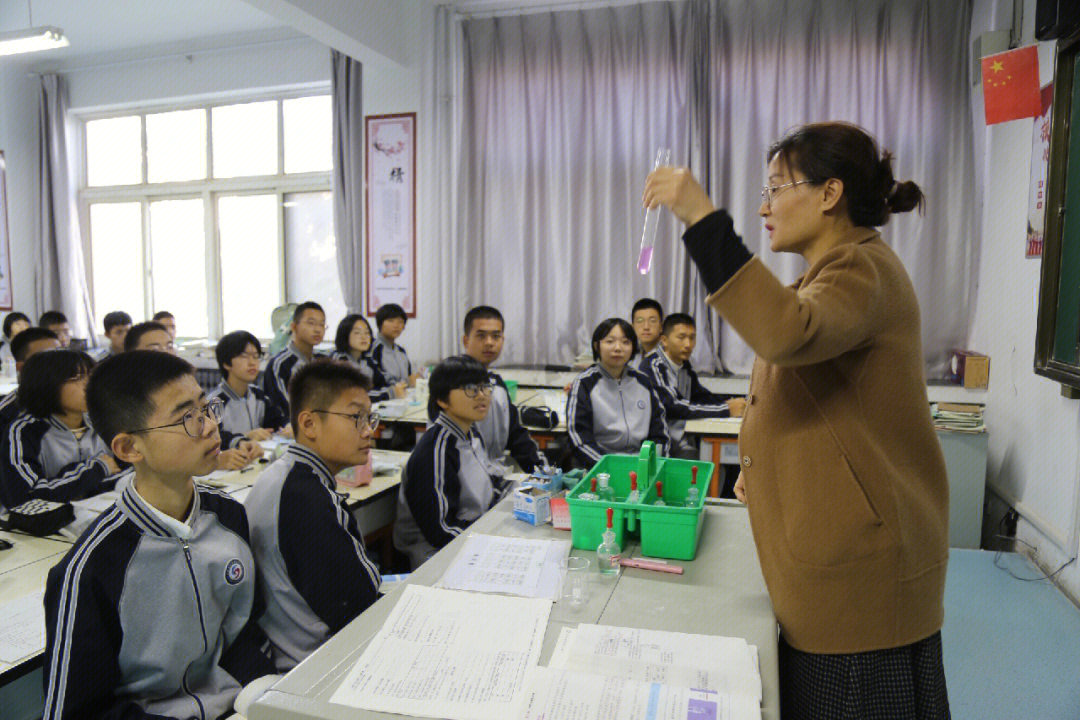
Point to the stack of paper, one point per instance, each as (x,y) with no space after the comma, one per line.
(449,654)
(22,628)
(515,566)
(959,417)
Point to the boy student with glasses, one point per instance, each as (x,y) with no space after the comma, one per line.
(308,327)
(152,613)
(246,414)
(315,573)
(448,481)
(647,317)
(149,335)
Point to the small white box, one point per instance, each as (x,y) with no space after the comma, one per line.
(532,505)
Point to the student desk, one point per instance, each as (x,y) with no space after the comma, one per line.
(23,569)
(725,580)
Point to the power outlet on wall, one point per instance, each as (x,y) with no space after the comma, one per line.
(1008,523)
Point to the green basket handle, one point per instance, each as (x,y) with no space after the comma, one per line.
(647,463)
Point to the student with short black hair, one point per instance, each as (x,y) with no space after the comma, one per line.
(448,481)
(316,575)
(308,327)
(14,323)
(24,345)
(646,316)
(57,322)
(501,428)
(612,408)
(117,323)
(682,394)
(352,344)
(50,451)
(149,335)
(153,611)
(167,319)
(245,414)
(388,356)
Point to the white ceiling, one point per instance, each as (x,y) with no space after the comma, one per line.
(136,27)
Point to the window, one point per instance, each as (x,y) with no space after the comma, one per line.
(217,213)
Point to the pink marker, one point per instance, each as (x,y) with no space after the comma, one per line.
(643,564)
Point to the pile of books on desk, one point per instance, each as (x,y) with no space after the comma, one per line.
(958,417)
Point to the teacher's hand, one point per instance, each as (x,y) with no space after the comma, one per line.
(740,489)
(676,189)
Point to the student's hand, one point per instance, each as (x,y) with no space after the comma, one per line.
(399,390)
(740,489)
(110,462)
(736,406)
(286,432)
(259,434)
(252,450)
(567,388)
(676,189)
(232,459)
(413,378)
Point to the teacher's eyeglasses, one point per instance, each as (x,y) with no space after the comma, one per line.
(768,192)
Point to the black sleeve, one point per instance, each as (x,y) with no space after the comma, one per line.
(245,658)
(715,248)
(381,388)
(433,488)
(23,476)
(324,553)
(579,425)
(274,416)
(658,425)
(518,441)
(700,404)
(276,384)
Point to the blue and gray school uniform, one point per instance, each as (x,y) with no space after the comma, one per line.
(150,617)
(279,371)
(641,362)
(316,576)
(391,360)
(380,388)
(683,396)
(605,415)
(446,485)
(501,430)
(43,458)
(241,415)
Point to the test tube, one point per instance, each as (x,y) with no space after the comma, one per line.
(652,216)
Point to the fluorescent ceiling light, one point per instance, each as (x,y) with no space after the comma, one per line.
(32,40)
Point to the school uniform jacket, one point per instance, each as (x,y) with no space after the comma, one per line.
(682,394)
(446,486)
(241,415)
(392,360)
(279,372)
(380,388)
(42,458)
(605,415)
(147,617)
(501,430)
(315,573)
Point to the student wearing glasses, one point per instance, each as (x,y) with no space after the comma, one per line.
(314,571)
(308,327)
(149,335)
(152,613)
(352,344)
(842,473)
(246,414)
(647,317)
(448,481)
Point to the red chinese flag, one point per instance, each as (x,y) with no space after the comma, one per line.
(1011,85)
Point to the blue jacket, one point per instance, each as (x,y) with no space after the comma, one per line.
(381,388)
(501,430)
(279,371)
(682,394)
(606,416)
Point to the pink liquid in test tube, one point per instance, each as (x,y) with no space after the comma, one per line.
(652,216)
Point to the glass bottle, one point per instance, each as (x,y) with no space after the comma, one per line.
(659,494)
(591,493)
(607,555)
(635,494)
(606,492)
(692,493)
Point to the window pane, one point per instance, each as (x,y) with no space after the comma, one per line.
(311,255)
(245,139)
(307,134)
(114,151)
(178,263)
(116,255)
(176,146)
(250,262)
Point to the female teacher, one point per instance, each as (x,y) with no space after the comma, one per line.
(842,473)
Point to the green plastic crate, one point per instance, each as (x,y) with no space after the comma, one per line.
(673,530)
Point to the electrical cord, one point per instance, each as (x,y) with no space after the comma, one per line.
(998,564)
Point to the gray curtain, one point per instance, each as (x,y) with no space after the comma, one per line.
(559,116)
(59,266)
(348,177)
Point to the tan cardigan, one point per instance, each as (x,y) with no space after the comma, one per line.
(845,480)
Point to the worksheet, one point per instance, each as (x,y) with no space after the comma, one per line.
(449,654)
(515,566)
(22,628)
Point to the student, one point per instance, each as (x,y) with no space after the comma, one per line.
(646,316)
(245,414)
(117,323)
(50,451)
(14,323)
(501,428)
(387,355)
(612,408)
(24,345)
(308,327)
(352,344)
(447,482)
(166,318)
(316,575)
(152,613)
(149,335)
(683,396)
(57,322)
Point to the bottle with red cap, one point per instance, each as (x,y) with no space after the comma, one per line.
(659,494)
(635,494)
(589,494)
(693,493)
(607,555)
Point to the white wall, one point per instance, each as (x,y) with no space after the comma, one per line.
(1033,459)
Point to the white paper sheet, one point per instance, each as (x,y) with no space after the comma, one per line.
(22,628)
(448,654)
(515,566)
(707,662)
(568,695)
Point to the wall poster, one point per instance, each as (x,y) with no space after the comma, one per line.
(390,211)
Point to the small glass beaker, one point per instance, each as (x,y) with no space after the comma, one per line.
(575,590)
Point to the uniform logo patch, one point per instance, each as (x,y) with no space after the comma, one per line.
(641,404)
(234,572)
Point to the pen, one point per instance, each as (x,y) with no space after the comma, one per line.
(643,564)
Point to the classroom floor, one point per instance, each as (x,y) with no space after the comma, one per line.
(1012,648)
